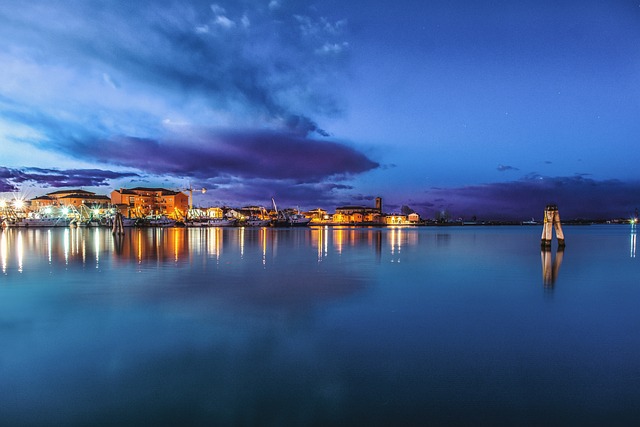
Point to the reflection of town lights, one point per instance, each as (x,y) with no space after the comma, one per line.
(3,252)
(20,250)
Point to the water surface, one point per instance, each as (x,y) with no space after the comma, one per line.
(319,326)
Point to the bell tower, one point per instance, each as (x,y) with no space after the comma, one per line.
(379,204)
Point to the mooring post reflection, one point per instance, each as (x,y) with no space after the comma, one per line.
(550,266)
(632,251)
(117,243)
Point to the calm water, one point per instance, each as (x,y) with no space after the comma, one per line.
(319,326)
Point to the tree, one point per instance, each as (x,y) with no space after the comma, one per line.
(406,210)
(443,216)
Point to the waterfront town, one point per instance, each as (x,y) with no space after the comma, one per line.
(143,206)
(147,206)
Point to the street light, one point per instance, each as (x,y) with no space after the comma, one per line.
(190,190)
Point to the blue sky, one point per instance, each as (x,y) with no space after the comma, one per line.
(480,108)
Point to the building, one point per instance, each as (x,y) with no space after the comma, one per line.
(396,219)
(42,201)
(318,216)
(70,198)
(141,202)
(414,218)
(359,214)
(402,219)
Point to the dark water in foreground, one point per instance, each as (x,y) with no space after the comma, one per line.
(319,326)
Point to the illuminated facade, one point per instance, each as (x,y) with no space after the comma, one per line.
(396,219)
(75,198)
(413,218)
(318,216)
(357,215)
(215,212)
(141,202)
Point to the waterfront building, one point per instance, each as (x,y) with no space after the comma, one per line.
(69,198)
(42,202)
(357,215)
(259,212)
(216,212)
(141,202)
(413,218)
(396,219)
(318,216)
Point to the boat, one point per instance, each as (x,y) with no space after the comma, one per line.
(129,222)
(289,218)
(210,222)
(531,222)
(254,221)
(91,222)
(38,222)
(157,221)
(297,219)
(46,217)
(220,222)
(126,222)
(252,216)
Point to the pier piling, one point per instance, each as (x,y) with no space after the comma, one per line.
(118,226)
(551,221)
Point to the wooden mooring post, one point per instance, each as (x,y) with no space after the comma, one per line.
(551,221)
(118,226)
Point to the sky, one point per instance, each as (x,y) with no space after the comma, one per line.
(486,109)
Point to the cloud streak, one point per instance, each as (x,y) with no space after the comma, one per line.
(504,168)
(576,196)
(11,179)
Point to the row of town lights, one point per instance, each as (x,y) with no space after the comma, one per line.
(18,204)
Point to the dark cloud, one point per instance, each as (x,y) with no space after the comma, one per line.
(12,178)
(363,197)
(576,196)
(260,154)
(242,192)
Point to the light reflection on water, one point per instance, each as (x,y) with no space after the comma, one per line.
(632,251)
(322,325)
(82,245)
(550,269)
